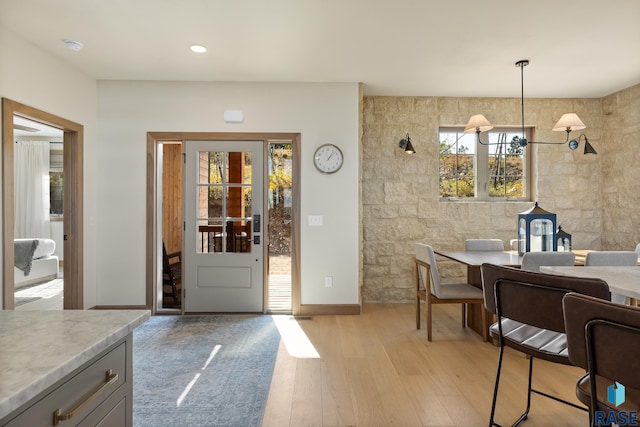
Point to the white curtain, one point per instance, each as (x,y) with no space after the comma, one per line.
(31,189)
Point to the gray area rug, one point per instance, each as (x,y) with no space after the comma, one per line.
(212,370)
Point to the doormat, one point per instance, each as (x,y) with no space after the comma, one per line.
(212,370)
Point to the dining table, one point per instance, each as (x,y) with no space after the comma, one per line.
(621,280)
(474,260)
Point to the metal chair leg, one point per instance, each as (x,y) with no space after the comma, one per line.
(522,417)
(530,390)
(495,388)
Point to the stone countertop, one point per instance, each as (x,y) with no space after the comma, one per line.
(38,348)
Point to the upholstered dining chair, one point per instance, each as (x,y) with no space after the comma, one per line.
(432,291)
(612,259)
(483,245)
(531,261)
(528,306)
(638,249)
(604,339)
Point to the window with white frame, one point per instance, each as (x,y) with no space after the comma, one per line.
(494,172)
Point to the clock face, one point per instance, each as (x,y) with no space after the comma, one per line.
(328,158)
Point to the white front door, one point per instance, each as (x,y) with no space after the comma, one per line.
(223,254)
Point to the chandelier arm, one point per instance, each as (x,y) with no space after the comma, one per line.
(557,143)
(478,138)
(479,141)
(483,143)
(546,142)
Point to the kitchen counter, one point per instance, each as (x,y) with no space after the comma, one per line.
(40,348)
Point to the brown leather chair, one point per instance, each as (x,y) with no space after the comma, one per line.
(528,306)
(604,339)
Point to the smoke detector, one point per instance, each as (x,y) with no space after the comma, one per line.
(72,44)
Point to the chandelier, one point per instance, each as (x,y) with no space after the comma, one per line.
(568,122)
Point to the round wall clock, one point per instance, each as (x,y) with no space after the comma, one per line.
(328,158)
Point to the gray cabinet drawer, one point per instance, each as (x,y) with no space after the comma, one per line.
(80,394)
(116,417)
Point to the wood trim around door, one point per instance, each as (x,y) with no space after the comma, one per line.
(153,139)
(73,201)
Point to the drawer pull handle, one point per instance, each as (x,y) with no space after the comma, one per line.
(58,416)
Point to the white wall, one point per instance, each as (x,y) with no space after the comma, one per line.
(31,77)
(320,112)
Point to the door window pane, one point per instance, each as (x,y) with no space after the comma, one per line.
(224,202)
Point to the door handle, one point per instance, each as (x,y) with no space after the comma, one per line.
(255,240)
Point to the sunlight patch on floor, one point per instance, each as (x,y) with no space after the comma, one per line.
(189,386)
(294,338)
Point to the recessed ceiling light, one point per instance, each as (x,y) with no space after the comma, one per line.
(197,48)
(72,44)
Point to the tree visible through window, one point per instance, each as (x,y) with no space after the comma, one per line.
(496,171)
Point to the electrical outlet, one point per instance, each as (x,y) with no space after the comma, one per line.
(328,282)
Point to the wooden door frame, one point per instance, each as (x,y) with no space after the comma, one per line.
(152,256)
(73,201)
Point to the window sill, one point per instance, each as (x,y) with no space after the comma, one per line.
(473,200)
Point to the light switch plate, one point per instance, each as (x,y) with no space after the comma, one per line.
(315,220)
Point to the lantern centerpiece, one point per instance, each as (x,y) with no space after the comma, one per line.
(563,240)
(536,231)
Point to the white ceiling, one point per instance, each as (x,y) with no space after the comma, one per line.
(577,48)
(29,128)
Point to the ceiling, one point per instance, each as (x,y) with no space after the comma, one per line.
(577,48)
(29,128)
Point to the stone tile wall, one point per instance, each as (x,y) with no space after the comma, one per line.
(400,201)
(621,170)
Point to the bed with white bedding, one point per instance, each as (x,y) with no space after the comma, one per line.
(34,261)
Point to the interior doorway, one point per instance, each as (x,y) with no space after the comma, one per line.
(290,196)
(72,141)
(39,213)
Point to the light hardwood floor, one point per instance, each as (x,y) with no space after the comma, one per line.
(376,369)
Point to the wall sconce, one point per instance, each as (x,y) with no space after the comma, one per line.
(406,145)
(568,122)
(588,148)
